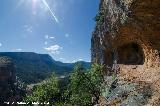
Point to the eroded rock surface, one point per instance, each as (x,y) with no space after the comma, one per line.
(126,41)
(7,80)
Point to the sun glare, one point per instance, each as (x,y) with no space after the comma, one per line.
(34,1)
(50,10)
(43,4)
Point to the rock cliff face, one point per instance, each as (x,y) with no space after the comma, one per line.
(126,40)
(7,79)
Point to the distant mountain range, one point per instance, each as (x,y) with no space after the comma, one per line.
(32,67)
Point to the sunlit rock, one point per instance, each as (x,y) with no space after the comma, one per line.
(126,41)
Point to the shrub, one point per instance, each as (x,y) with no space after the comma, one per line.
(83,88)
(47,91)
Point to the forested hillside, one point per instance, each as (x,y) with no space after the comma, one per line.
(32,67)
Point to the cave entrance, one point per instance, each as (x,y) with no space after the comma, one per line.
(109,56)
(130,54)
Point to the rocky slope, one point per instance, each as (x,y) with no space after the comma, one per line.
(126,41)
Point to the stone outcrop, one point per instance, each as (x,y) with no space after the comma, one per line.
(7,80)
(126,41)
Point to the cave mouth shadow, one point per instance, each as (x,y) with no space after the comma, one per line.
(130,54)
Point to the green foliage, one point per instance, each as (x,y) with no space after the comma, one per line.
(78,87)
(45,92)
(85,86)
(96,76)
(82,88)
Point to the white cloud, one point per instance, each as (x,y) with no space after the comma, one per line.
(80,59)
(55,52)
(17,49)
(73,61)
(66,35)
(49,37)
(62,58)
(0,44)
(54,49)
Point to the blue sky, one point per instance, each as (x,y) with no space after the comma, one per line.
(61,28)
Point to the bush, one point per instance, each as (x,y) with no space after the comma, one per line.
(47,91)
(83,88)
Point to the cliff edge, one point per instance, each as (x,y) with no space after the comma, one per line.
(7,80)
(126,41)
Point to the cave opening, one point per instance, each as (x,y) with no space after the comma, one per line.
(130,54)
(109,56)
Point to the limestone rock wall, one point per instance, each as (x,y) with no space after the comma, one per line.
(127,22)
(126,40)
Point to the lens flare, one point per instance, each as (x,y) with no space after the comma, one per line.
(51,12)
(34,2)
